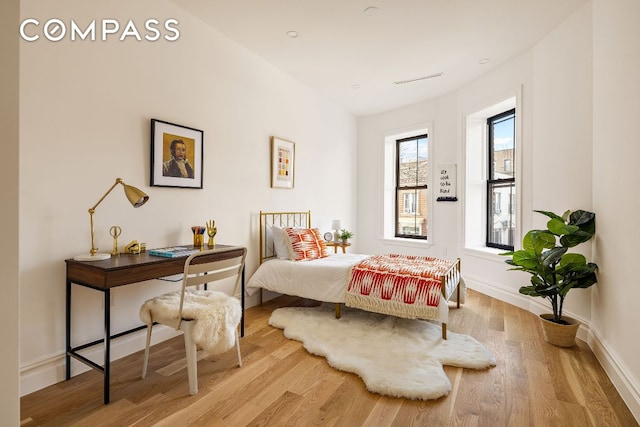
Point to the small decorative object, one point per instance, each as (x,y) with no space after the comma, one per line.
(198,236)
(136,197)
(176,155)
(345,235)
(328,236)
(133,247)
(211,232)
(115,231)
(554,271)
(283,156)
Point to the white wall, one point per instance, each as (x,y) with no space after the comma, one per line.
(562,130)
(372,131)
(446,114)
(553,80)
(10,242)
(580,103)
(85,111)
(616,108)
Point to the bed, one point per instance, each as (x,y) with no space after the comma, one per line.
(400,285)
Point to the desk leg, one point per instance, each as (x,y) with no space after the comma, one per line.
(107,343)
(242,318)
(67,357)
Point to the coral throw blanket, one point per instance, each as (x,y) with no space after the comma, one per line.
(400,285)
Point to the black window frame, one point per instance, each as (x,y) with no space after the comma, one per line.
(501,182)
(400,188)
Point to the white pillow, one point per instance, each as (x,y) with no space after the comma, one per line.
(280,242)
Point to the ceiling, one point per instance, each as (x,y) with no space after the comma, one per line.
(354,57)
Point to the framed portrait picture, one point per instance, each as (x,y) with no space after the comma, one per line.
(283,160)
(176,155)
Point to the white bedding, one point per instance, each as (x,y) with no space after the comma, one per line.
(323,279)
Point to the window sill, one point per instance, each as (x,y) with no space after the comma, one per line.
(491,254)
(398,241)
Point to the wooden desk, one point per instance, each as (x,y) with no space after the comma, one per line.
(337,245)
(120,270)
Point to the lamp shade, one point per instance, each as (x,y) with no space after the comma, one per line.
(335,224)
(136,196)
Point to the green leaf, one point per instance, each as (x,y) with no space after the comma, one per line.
(586,221)
(550,215)
(538,282)
(572,261)
(586,279)
(574,239)
(559,228)
(537,291)
(582,281)
(553,256)
(531,291)
(524,259)
(537,240)
(581,217)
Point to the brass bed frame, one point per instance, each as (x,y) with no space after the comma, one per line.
(279,219)
(302,219)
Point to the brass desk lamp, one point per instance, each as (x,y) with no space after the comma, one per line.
(136,197)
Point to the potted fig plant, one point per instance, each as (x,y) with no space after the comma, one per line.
(554,270)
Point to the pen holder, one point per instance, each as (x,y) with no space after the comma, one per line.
(198,236)
(198,240)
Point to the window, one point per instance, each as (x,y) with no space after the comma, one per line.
(496,202)
(485,161)
(512,204)
(501,183)
(410,203)
(411,187)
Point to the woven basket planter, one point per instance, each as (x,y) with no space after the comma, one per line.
(557,334)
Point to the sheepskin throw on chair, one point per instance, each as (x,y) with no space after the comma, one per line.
(217,315)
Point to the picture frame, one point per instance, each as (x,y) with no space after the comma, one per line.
(176,155)
(283,160)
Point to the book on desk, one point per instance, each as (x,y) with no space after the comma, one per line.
(174,251)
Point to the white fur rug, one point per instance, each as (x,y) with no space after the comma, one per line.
(395,357)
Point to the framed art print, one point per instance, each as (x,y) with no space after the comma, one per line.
(176,155)
(283,159)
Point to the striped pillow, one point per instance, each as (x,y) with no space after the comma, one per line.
(306,244)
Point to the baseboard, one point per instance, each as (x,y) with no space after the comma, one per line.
(50,370)
(620,377)
(617,373)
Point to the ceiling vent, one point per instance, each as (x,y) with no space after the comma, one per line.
(430,76)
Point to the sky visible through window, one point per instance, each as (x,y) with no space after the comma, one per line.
(503,134)
(409,153)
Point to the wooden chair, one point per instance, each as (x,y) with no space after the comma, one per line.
(207,318)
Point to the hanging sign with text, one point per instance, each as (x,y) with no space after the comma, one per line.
(446,184)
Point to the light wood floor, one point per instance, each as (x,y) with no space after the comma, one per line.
(533,384)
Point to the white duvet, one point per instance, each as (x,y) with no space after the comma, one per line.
(323,279)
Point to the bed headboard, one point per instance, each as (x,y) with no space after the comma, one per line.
(279,219)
